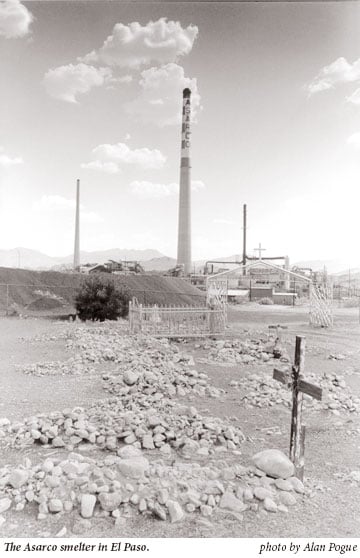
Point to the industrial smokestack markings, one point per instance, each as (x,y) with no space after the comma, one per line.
(184,226)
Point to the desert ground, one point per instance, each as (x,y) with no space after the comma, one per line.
(186,418)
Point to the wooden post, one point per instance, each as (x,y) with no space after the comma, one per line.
(295,434)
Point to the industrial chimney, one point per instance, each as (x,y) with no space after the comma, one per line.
(77,228)
(184,230)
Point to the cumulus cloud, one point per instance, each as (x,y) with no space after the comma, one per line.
(67,82)
(160,99)
(339,71)
(7,161)
(146,190)
(111,82)
(354,140)
(15,19)
(55,203)
(110,157)
(135,45)
(354,98)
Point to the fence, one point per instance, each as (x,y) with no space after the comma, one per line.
(176,321)
(321,299)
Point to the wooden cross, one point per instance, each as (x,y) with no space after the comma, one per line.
(299,386)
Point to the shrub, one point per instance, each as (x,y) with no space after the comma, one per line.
(266,300)
(98,299)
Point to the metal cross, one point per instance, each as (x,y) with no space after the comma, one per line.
(259,250)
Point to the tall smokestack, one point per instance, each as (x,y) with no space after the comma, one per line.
(77,228)
(184,231)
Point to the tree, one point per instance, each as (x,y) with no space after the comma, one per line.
(98,299)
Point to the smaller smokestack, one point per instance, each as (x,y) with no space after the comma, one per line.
(77,228)
(244,238)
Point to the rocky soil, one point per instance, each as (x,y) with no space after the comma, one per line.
(192,434)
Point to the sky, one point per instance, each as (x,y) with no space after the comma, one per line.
(93,90)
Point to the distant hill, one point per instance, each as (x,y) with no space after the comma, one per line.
(25,258)
(102,256)
(159,264)
(332,266)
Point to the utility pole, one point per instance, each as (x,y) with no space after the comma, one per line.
(77,228)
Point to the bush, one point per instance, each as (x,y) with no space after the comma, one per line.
(266,300)
(98,299)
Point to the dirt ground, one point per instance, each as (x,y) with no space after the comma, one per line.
(330,507)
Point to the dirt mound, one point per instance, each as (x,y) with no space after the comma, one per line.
(45,303)
(22,288)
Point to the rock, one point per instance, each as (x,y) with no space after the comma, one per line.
(159,512)
(68,506)
(30,495)
(2,521)
(206,510)
(165,449)
(175,511)
(130,378)
(55,505)
(248,494)
(274,463)
(135,499)
(134,467)
(18,477)
(282,484)
(262,493)
(127,452)
(43,508)
(269,505)
(5,504)
(147,442)
(211,501)
(87,505)
(297,485)
(109,501)
(130,439)
(230,502)
(61,534)
(35,434)
(163,496)
(214,487)
(287,499)
(58,442)
(142,505)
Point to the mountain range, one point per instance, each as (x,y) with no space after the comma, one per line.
(151,260)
